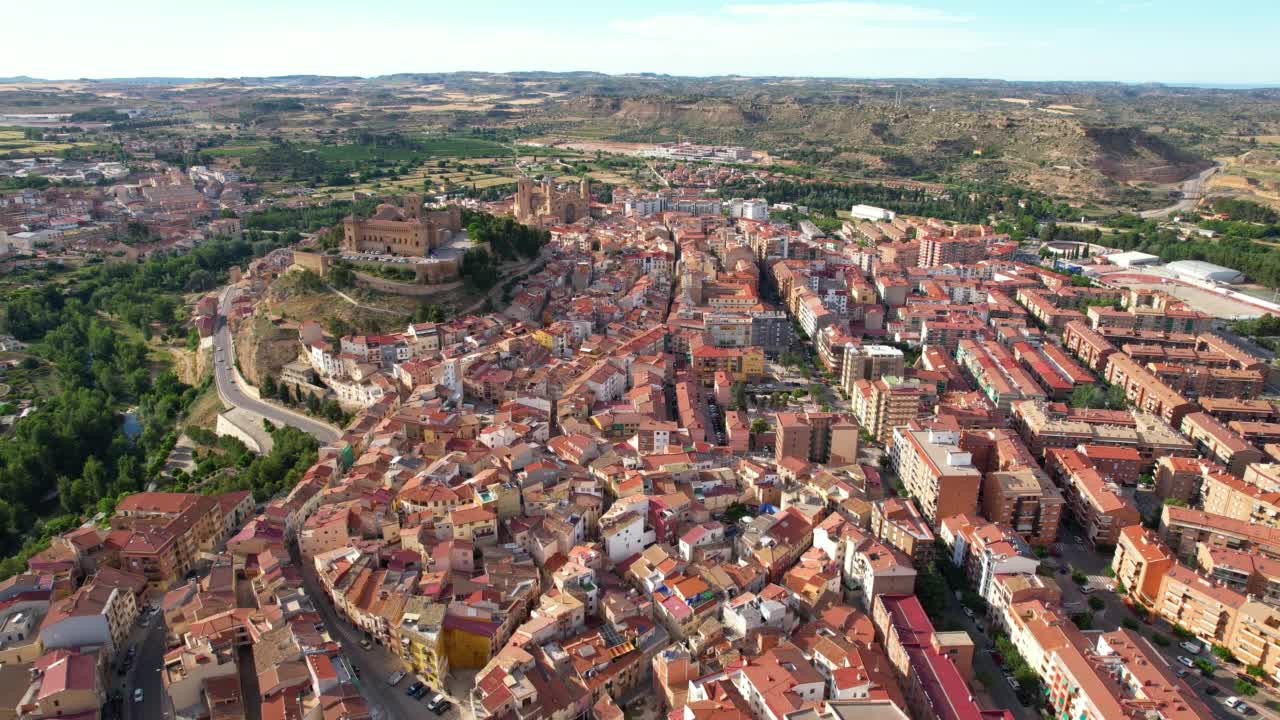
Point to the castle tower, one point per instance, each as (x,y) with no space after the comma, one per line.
(584,188)
(524,189)
(413,206)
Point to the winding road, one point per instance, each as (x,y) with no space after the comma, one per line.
(233,395)
(1192,191)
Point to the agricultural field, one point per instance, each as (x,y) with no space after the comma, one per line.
(14,143)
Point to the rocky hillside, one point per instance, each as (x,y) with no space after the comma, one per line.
(262,348)
(1064,151)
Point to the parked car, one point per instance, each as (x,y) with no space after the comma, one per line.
(442,708)
(968,612)
(1183,672)
(1232,702)
(366,643)
(412,690)
(436,702)
(1086,590)
(1186,661)
(1190,646)
(1013,683)
(137,695)
(395,677)
(1210,690)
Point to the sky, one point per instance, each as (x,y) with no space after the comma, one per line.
(1174,41)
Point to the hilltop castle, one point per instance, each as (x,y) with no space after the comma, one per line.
(548,206)
(404,230)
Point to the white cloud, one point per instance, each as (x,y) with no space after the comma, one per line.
(827,11)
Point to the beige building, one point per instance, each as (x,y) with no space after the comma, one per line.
(1025,500)
(544,204)
(405,231)
(936,472)
(884,404)
(1241,500)
(898,523)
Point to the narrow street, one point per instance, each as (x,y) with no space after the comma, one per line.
(249,689)
(372,666)
(145,673)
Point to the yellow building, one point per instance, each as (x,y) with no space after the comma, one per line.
(743,364)
(420,641)
(469,641)
(474,524)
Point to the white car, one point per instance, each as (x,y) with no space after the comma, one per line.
(1186,661)
(1232,702)
(137,695)
(967,612)
(1190,646)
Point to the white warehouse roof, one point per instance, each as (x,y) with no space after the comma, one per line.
(1200,270)
(1131,258)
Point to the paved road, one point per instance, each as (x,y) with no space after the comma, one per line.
(1191,192)
(145,674)
(232,394)
(373,665)
(1092,564)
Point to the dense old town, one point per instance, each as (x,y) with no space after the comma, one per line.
(700,464)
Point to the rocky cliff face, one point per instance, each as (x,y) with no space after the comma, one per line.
(262,348)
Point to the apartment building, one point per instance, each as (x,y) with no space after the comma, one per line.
(93,616)
(1178,478)
(1206,608)
(1050,425)
(418,640)
(1259,434)
(1114,674)
(1243,500)
(871,362)
(162,534)
(1025,500)
(937,474)
(816,437)
(1087,344)
(1243,572)
(1213,439)
(1140,563)
(947,333)
(1245,410)
(1145,318)
(997,373)
(936,251)
(931,666)
(743,364)
(986,551)
(885,403)
(1096,505)
(898,523)
(1119,465)
(1182,529)
(1147,391)
(873,568)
